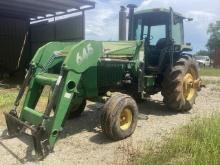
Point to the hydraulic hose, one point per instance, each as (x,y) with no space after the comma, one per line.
(22,90)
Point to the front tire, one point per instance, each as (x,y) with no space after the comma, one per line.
(178,88)
(119,117)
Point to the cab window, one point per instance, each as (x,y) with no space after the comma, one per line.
(177,31)
(157,32)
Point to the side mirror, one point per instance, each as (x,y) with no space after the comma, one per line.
(189,19)
(188,44)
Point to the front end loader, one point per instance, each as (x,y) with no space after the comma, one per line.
(76,72)
(60,66)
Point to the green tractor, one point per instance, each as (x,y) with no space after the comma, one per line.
(116,73)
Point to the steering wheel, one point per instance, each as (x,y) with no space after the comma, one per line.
(151,37)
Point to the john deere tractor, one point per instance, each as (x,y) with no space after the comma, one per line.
(155,59)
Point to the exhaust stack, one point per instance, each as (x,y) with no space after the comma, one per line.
(131,20)
(122,23)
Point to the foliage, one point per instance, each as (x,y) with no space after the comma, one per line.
(202,53)
(197,144)
(214,39)
(209,72)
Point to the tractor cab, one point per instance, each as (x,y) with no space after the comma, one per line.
(162,33)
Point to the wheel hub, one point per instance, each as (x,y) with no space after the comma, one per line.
(189,88)
(125,119)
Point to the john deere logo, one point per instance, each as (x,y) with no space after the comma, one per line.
(84,55)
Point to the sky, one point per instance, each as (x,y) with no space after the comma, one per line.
(102,22)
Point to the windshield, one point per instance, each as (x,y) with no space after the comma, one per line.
(155,27)
(156,32)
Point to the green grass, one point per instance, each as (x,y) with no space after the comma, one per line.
(196,144)
(7,97)
(209,72)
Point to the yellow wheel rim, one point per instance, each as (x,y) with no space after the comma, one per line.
(189,89)
(125,119)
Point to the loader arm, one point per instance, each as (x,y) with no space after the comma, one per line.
(68,89)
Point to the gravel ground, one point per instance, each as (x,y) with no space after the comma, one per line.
(82,141)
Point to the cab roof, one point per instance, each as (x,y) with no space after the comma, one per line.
(157,10)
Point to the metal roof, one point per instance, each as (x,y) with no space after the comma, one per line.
(41,9)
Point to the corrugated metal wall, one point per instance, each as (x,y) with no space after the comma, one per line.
(12,33)
(217,58)
(62,30)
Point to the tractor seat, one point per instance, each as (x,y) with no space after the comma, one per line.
(155,52)
(161,43)
(156,56)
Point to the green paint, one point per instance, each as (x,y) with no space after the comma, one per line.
(46,78)
(89,70)
(32,116)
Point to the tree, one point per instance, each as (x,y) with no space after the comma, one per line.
(202,53)
(214,36)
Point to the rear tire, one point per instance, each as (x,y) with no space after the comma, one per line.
(77,110)
(178,89)
(119,117)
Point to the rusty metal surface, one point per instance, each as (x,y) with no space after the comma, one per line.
(217,58)
(131,19)
(32,8)
(122,23)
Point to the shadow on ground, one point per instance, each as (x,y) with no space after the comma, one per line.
(29,157)
(90,122)
(155,107)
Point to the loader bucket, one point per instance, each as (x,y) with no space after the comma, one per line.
(16,126)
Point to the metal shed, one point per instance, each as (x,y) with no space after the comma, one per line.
(25,25)
(217,58)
